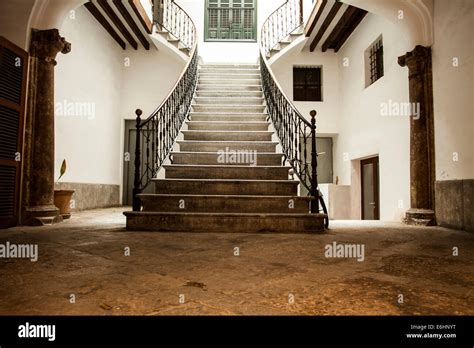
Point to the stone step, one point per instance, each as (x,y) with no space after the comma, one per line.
(227,126)
(230,70)
(242,117)
(228,87)
(226,187)
(228,108)
(236,82)
(224,222)
(226,75)
(236,101)
(227,135)
(229,94)
(227,158)
(224,204)
(229,66)
(183,171)
(215,146)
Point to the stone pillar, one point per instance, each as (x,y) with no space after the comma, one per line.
(39,171)
(422,165)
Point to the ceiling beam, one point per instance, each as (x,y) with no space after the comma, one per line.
(105,23)
(344,28)
(141,14)
(118,22)
(131,23)
(327,22)
(316,18)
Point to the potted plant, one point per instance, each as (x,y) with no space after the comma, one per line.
(62,198)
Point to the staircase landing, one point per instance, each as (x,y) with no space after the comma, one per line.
(228,175)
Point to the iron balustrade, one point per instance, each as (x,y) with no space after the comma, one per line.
(283,21)
(295,132)
(156,135)
(176,21)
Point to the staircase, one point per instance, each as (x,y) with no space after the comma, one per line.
(292,39)
(227,175)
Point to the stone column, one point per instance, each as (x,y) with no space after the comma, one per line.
(39,176)
(422,168)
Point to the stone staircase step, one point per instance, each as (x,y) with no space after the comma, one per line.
(214,158)
(227,135)
(236,82)
(224,222)
(230,70)
(229,94)
(227,126)
(185,171)
(229,66)
(231,76)
(228,108)
(229,100)
(226,187)
(215,146)
(224,204)
(228,117)
(228,87)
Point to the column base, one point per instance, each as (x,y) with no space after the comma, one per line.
(420,217)
(43,215)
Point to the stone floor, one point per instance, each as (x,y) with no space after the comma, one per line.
(85,257)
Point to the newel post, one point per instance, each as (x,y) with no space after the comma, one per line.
(136,182)
(314,165)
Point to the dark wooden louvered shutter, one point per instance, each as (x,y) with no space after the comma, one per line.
(13,70)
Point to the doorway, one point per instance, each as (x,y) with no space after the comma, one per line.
(369,169)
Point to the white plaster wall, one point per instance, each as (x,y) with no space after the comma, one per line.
(91,73)
(228,52)
(328,109)
(453,89)
(14,17)
(363,131)
(147,80)
(114,83)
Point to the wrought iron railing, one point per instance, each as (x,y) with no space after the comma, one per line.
(155,136)
(171,17)
(283,21)
(297,135)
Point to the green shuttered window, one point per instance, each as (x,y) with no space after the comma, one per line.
(230,20)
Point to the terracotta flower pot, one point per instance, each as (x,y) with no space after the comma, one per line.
(62,200)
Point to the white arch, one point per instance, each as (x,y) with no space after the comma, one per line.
(50,14)
(417,23)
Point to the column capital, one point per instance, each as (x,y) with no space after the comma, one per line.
(415,59)
(46,44)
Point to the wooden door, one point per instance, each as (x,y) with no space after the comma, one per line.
(369,170)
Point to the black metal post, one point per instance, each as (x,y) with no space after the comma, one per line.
(314,165)
(136,182)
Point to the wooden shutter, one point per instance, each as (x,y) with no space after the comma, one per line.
(307,84)
(230,20)
(13,75)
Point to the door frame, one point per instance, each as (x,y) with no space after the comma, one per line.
(375,161)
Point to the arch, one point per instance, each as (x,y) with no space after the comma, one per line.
(417,23)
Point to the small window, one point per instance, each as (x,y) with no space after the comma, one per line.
(374,62)
(230,20)
(307,84)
